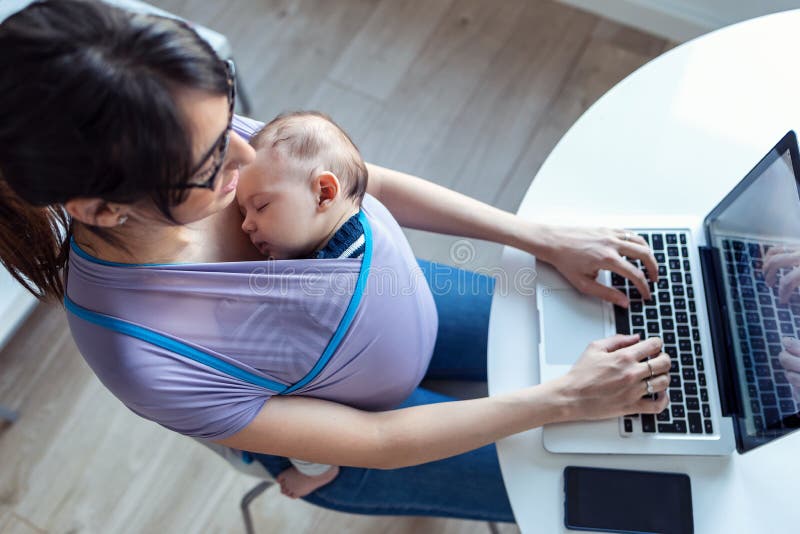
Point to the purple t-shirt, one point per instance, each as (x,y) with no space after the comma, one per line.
(261,318)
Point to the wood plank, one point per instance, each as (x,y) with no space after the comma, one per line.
(283,48)
(11,523)
(629,39)
(483,109)
(293,61)
(47,395)
(608,58)
(439,83)
(353,110)
(379,55)
(499,118)
(26,356)
(422,108)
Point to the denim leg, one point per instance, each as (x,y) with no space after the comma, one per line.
(466,486)
(463,301)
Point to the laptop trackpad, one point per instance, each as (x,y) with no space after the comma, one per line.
(571,321)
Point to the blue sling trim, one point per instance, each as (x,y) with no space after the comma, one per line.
(178,347)
(85,255)
(170,344)
(355,300)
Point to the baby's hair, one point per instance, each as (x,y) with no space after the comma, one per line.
(316,140)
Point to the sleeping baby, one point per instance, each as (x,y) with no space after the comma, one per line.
(300,198)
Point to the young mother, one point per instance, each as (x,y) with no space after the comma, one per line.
(118,128)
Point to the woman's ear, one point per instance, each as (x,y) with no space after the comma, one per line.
(327,189)
(96,212)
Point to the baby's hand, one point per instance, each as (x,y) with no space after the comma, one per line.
(295,484)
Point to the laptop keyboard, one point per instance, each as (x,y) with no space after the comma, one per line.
(670,314)
(761,322)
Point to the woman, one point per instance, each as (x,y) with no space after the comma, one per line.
(116,131)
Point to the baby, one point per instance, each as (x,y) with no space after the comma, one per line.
(301,195)
(300,198)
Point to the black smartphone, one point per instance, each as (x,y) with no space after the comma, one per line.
(618,500)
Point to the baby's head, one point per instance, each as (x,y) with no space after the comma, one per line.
(307,176)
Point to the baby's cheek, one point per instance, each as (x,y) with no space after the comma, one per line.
(261,225)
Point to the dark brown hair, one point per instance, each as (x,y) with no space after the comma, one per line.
(314,138)
(88,110)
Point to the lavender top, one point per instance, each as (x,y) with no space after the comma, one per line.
(261,327)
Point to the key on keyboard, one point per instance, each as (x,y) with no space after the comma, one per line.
(672,316)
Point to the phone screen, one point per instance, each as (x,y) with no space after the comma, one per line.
(616,500)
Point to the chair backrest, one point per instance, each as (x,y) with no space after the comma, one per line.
(217,41)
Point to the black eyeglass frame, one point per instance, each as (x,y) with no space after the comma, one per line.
(224,139)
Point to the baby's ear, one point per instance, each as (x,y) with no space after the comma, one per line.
(327,188)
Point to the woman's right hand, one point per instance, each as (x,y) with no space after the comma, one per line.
(610,378)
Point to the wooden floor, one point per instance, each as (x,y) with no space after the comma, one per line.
(472,94)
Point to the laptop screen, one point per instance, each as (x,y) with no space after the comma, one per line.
(756,233)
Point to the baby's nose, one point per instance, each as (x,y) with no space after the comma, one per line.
(247,226)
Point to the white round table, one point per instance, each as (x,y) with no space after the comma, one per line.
(672,138)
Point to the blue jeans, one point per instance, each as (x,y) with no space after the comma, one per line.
(467,486)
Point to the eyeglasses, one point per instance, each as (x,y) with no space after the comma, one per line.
(220,147)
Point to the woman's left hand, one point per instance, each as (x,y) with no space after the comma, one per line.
(580,253)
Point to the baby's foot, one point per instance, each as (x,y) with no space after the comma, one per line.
(295,484)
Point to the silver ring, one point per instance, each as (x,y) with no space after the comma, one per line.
(649,367)
(627,237)
(650,389)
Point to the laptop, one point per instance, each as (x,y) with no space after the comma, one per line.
(720,321)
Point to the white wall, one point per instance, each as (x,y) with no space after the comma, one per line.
(681,20)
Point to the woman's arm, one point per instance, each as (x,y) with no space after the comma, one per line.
(607,381)
(424,205)
(326,432)
(578,253)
